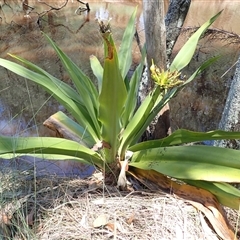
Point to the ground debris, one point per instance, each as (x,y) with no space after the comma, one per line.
(67,208)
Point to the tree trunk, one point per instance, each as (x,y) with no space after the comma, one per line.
(174,21)
(230,120)
(159,45)
(155,33)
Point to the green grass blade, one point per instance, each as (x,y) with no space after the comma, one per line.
(226,194)
(182,136)
(112,99)
(60,92)
(97,71)
(48,145)
(191,162)
(185,55)
(125,53)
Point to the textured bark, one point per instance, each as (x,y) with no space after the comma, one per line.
(159,44)
(230,120)
(155,32)
(174,21)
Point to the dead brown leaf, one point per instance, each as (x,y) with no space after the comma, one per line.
(131,219)
(111,226)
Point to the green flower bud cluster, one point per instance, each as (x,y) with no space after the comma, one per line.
(165,79)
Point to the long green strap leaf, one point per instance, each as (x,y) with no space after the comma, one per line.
(159,105)
(79,78)
(97,71)
(48,145)
(83,84)
(132,97)
(138,120)
(65,88)
(54,157)
(125,53)
(191,162)
(60,92)
(182,136)
(185,55)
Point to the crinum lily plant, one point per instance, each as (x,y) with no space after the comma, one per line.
(109,126)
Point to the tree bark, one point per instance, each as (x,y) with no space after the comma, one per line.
(159,45)
(174,21)
(230,120)
(155,33)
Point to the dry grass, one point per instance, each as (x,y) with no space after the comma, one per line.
(71,208)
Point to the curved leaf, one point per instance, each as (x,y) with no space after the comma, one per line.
(182,136)
(226,194)
(97,71)
(66,125)
(132,96)
(191,162)
(125,53)
(49,146)
(60,91)
(83,84)
(185,55)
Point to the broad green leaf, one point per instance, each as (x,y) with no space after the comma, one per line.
(59,91)
(191,162)
(182,136)
(83,84)
(111,100)
(97,71)
(78,133)
(226,194)
(185,55)
(48,146)
(125,53)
